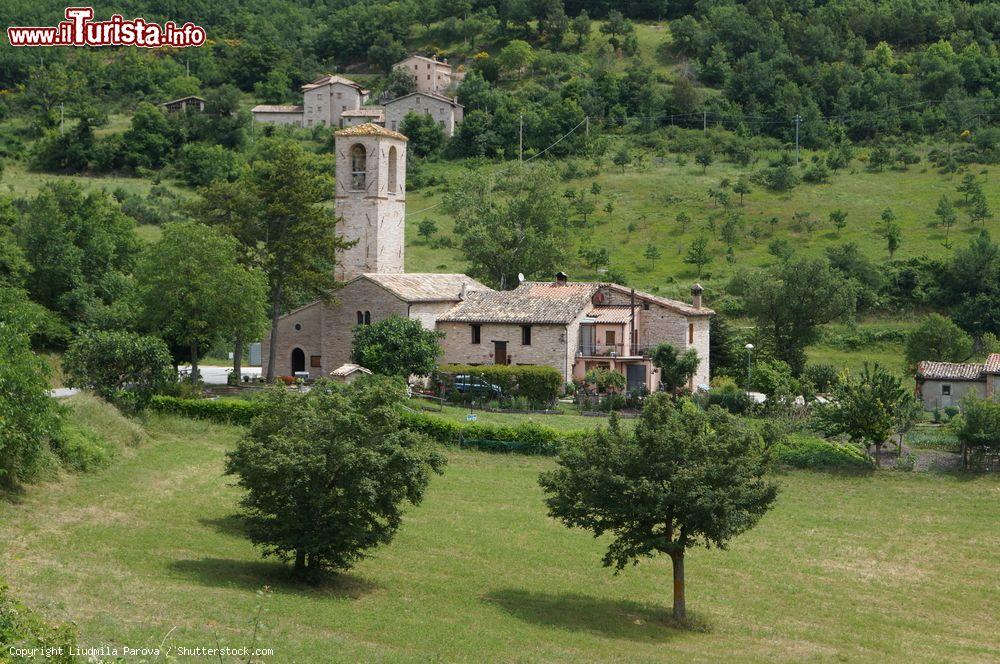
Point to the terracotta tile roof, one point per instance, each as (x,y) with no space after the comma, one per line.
(329,79)
(673,305)
(348,369)
(440,63)
(426,287)
(529,303)
(363,113)
(432,95)
(949,371)
(611,314)
(369,129)
(272,108)
(188,98)
(992,364)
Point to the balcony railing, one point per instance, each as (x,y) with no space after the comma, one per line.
(611,350)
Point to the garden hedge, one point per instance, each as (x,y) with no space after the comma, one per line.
(225,411)
(537,384)
(800,451)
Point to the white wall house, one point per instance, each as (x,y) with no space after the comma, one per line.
(431,74)
(323,103)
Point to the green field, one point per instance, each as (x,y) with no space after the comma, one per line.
(888,566)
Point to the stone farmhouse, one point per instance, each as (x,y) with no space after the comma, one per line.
(432,75)
(943,384)
(335,101)
(570,326)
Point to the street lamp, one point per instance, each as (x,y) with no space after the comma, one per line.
(749,348)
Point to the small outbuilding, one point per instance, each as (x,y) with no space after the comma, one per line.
(944,384)
(348,373)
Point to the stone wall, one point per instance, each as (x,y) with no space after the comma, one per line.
(290,118)
(443,112)
(360,295)
(302,328)
(930,392)
(548,345)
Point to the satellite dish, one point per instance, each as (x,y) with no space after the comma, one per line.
(520,277)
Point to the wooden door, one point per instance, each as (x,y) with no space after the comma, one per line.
(500,352)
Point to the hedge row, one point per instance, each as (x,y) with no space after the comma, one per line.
(224,411)
(525,438)
(801,451)
(537,384)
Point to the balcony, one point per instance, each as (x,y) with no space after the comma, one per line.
(611,350)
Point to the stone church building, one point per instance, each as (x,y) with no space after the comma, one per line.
(571,326)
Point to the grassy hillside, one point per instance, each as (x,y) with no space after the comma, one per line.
(478,572)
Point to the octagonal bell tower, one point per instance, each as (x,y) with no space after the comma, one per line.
(370,199)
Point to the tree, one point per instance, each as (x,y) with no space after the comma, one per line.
(704,159)
(937,339)
(515,57)
(29,417)
(979,209)
(194,290)
(839,220)
(683,477)
(683,219)
(622,159)
(326,472)
(969,187)
(742,187)
(893,237)
(698,254)
(865,409)
(276,210)
(979,428)
(386,52)
(676,368)
(425,133)
(947,217)
(124,368)
(396,346)
(606,381)
(426,229)
(791,300)
(580,26)
(400,82)
(509,225)
(652,253)
(595,258)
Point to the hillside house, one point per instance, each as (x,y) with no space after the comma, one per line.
(190,102)
(359,116)
(432,75)
(445,110)
(570,326)
(944,384)
(323,102)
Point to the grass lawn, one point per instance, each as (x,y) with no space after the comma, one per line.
(884,566)
(559,422)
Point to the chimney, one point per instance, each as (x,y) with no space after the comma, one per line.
(696,292)
(464,292)
(562,278)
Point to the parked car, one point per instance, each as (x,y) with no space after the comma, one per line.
(467,384)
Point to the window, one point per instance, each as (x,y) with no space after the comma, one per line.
(690,333)
(315,361)
(392,170)
(359,164)
(477,333)
(946,390)
(298,326)
(368,318)
(525,335)
(428,77)
(609,337)
(361,318)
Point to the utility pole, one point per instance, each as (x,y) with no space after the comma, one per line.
(587,118)
(798,119)
(704,122)
(520,138)
(62,118)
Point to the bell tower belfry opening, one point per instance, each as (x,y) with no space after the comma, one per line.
(370,200)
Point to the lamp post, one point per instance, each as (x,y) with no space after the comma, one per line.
(749,348)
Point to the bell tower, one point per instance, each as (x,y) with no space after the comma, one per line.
(370,200)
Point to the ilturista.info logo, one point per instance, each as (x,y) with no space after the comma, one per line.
(79,29)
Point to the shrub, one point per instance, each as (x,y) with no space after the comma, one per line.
(823,377)
(802,451)
(123,367)
(539,385)
(224,411)
(21,626)
(82,449)
(526,438)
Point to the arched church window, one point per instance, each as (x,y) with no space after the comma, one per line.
(361,318)
(368,318)
(359,164)
(392,170)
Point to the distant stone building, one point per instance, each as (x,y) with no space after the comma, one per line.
(944,384)
(184,104)
(572,327)
(445,110)
(323,102)
(431,75)
(359,116)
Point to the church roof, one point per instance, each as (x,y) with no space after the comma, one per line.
(369,129)
(426,286)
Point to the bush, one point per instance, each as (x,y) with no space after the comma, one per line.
(525,438)
(802,451)
(82,449)
(539,385)
(224,411)
(731,398)
(123,367)
(21,626)
(823,377)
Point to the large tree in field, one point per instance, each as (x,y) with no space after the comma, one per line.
(194,290)
(509,224)
(684,477)
(124,368)
(396,346)
(676,368)
(791,300)
(327,472)
(276,212)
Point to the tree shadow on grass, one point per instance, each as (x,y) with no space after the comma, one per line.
(232,525)
(254,575)
(603,617)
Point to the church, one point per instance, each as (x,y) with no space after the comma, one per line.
(570,326)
